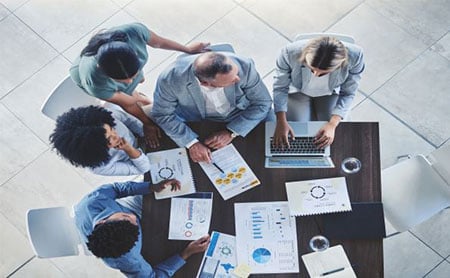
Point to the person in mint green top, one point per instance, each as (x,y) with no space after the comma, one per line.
(110,68)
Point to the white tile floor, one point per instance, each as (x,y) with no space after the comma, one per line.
(405,88)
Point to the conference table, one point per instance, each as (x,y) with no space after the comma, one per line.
(352,139)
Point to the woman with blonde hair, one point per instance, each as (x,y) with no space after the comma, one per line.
(315,80)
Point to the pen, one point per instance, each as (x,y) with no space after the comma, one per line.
(218,168)
(332,271)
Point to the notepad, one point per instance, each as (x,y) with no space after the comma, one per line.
(365,221)
(318,196)
(331,263)
(171,164)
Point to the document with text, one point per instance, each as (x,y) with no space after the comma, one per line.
(190,216)
(229,173)
(266,237)
(318,196)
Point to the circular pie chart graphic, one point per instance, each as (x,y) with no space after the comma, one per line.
(261,255)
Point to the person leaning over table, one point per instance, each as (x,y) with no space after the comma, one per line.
(215,86)
(315,80)
(109,222)
(101,140)
(111,66)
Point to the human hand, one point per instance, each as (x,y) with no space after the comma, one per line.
(175,185)
(197,47)
(219,139)
(325,136)
(195,247)
(152,133)
(282,133)
(200,153)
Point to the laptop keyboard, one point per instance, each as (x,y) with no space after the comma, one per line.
(298,145)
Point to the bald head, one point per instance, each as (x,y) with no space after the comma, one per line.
(209,64)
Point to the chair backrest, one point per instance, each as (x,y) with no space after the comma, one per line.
(412,192)
(341,37)
(220,47)
(64,96)
(52,232)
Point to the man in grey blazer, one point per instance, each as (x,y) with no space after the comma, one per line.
(215,86)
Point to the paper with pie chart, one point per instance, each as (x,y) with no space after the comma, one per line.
(171,164)
(266,237)
(318,196)
(220,258)
(190,216)
(236,177)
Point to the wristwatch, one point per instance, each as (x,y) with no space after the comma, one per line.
(233,134)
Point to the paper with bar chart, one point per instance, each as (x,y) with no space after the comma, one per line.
(266,237)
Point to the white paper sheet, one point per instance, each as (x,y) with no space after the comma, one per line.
(318,196)
(331,263)
(237,176)
(266,237)
(190,216)
(220,258)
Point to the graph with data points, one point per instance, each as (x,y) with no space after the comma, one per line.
(266,237)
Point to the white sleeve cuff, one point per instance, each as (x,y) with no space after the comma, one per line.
(188,145)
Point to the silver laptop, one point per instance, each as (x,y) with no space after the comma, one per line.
(302,152)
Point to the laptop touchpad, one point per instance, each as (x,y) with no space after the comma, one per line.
(300,128)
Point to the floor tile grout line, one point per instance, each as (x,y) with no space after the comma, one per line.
(431,46)
(426,244)
(21,266)
(22,122)
(344,15)
(402,122)
(24,167)
(432,269)
(93,29)
(265,22)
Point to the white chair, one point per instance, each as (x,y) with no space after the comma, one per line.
(341,37)
(52,233)
(220,47)
(413,190)
(64,96)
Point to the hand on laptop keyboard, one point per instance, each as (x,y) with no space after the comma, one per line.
(283,133)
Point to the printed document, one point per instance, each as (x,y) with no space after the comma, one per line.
(190,216)
(266,237)
(220,258)
(229,172)
(318,196)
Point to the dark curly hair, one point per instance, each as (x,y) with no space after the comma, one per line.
(112,239)
(79,136)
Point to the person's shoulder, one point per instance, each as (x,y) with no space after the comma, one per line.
(354,52)
(295,46)
(180,68)
(130,27)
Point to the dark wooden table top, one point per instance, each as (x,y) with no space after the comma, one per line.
(355,139)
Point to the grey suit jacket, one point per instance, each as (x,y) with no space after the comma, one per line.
(178,99)
(290,71)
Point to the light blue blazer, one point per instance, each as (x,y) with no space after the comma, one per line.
(290,71)
(178,99)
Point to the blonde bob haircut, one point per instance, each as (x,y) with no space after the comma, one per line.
(324,53)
